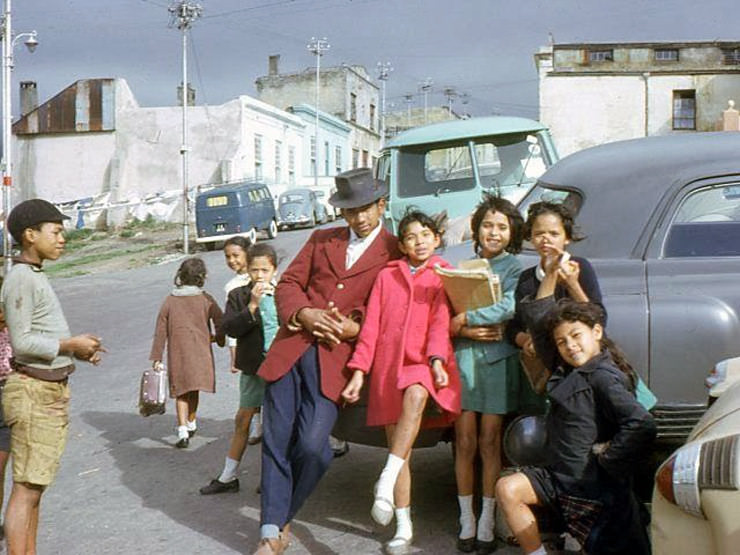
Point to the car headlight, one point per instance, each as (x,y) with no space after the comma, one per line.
(723,375)
(699,466)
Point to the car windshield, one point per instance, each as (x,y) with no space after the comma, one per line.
(292,198)
(503,163)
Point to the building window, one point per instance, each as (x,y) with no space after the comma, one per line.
(314,169)
(338,159)
(684,109)
(365,159)
(352,107)
(291,165)
(258,156)
(601,55)
(731,56)
(278,161)
(355,158)
(372,117)
(326,157)
(666,54)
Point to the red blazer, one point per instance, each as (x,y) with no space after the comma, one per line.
(316,277)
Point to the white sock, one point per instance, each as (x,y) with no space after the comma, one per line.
(389,475)
(539,551)
(182,432)
(404,527)
(229,472)
(467,517)
(486,520)
(191,425)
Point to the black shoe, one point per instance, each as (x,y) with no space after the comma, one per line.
(484,548)
(182,443)
(191,433)
(217,486)
(339,448)
(466,545)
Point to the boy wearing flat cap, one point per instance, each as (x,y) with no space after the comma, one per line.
(44,353)
(321,299)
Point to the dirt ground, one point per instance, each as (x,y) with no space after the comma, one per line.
(138,244)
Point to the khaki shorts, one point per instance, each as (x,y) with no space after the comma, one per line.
(37,413)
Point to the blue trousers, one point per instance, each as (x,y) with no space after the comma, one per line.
(296,422)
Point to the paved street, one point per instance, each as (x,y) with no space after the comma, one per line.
(123,488)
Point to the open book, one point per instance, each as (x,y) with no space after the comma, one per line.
(470,286)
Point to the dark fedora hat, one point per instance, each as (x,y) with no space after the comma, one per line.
(357,188)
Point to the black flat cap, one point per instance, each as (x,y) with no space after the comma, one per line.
(31,212)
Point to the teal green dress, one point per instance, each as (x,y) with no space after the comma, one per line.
(489,371)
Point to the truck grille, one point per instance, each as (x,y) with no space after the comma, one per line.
(718,467)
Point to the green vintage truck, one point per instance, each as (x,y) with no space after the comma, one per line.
(448,166)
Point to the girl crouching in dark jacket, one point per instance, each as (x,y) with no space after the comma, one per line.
(597,436)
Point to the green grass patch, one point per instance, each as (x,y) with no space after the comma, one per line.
(61,267)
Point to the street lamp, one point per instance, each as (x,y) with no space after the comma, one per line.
(183,15)
(384,70)
(317,47)
(9,42)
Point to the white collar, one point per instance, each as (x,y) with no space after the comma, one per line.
(539,273)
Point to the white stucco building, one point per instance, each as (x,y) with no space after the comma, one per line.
(592,93)
(94,138)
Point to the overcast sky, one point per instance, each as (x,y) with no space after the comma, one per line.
(482,47)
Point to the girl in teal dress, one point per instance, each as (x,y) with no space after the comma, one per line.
(489,371)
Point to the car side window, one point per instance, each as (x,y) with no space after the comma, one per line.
(707,223)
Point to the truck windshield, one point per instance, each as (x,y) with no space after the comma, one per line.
(503,163)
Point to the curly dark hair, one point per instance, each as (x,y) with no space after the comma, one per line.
(556,209)
(492,203)
(590,314)
(412,215)
(192,271)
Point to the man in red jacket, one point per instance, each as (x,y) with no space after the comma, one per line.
(321,300)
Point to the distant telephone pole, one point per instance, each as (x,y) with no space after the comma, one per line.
(425,87)
(384,70)
(182,16)
(317,47)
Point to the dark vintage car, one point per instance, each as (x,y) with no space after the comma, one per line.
(661,217)
(300,207)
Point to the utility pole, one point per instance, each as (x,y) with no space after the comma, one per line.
(384,70)
(425,87)
(317,47)
(182,16)
(409,99)
(451,94)
(9,42)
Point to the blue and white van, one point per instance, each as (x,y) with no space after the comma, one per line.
(242,208)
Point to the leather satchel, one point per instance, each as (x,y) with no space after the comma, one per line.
(152,392)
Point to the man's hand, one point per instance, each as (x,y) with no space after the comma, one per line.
(457,323)
(483,333)
(351,392)
(331,327)
(84,347)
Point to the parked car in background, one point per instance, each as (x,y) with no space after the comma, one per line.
(242,208)
(323,198)
(696,498)
(300,207)
(448,166)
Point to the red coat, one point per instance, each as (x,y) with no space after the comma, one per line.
(407,322)
(316,277)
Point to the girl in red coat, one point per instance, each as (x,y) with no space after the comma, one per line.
(405,342)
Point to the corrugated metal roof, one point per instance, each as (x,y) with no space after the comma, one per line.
(87,105)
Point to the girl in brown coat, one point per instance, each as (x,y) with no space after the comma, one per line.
(188,322)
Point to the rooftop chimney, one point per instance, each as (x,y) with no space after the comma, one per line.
(273,62)
(29,97)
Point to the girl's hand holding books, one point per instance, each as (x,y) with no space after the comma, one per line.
(351,392)
(483,333)
(441,378)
